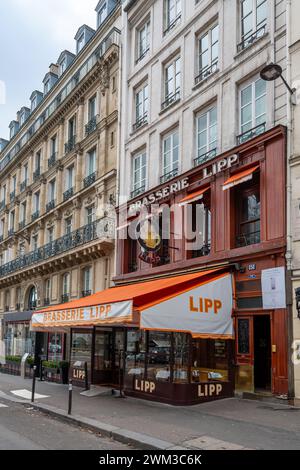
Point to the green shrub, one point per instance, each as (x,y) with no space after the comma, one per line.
(16,359)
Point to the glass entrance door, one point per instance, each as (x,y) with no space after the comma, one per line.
(108,356)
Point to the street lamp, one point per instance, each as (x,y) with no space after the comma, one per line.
(273,71)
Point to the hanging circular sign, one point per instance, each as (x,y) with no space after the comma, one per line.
(148,235)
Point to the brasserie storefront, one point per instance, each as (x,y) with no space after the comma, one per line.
(169,340)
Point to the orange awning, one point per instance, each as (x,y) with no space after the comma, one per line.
(194,196)
(117,305)
(240,177)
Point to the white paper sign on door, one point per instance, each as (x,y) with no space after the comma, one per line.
(273,288)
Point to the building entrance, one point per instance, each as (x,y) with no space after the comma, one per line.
(262,353)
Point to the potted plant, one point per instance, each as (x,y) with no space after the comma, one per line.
(51,370)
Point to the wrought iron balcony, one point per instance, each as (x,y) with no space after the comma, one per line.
(46,302)
(22,224)
(140,122)
(2,205)
(248,239)
(86,293)
(65,298)
(254,132)
(91,126)
(37,174)
(168,176)
(12,196)
(251,38)
(172,24)
(23,186)
(142,55)
(52,160)
(50,205)
(68,194)
(206,72)
(205,157)
(70,145)
(101,229)
(89,180)
(138,191)
(11,232)
(171,99)
(35,216)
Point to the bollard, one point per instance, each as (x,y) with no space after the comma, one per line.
(70,397)
(33,384)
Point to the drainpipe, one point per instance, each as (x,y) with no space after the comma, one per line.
(289,252)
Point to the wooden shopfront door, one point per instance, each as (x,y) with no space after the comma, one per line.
(262,352)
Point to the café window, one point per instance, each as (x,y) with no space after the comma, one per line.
(210,360)
(247,197)
(198,227)
(136,353)
(159,356)
(55,346)
(81,349)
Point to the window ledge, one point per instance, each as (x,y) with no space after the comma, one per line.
(251,46)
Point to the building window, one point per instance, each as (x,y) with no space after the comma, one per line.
(143,40)
(170,156)
(11,222)
(90,215)
(50,235)
(92,108)
(141,107)
(47,86)
(37,201)
(80,43)
(34,242)
(252,110)
(63,65)
(53,145)
(208,53)
(172,14)
(139,174)
(102,14)
(253,21)
(172,82)
(68,225)
(198,227)
(71,128)
(47,292)
(33,103)
(66,287)
(23,213)
(37,163)
(87,290)
(91,162)
(206,128)
(70,177)
(247,197)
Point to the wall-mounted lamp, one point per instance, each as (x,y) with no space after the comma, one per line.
(273,71)
(297,292)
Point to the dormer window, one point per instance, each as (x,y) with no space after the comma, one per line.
(102,14)
(22,119)
(33,103)
(80,43)
(63,65)
(47,86)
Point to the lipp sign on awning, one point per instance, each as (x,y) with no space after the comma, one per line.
(204,311)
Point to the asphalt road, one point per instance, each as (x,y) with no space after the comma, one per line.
(27,429)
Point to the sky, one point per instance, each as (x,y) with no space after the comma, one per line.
(33,33)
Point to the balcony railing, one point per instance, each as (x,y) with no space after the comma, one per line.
(50,205)
(23,186)
(70,145)
(89,180)
(36,174)
(65,298)
(168,176)
(206,72)
(172,24)
(248,239)
(91,126)
(68,194)
(52,160)
(255,131)
(35,216)
(142,55)
(171,99)
(86,293)
(140,122)
(138,191)
(205,157)
(101,229)
(22,224)
(12,196)
(251,38)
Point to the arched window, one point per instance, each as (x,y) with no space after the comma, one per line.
(32,298)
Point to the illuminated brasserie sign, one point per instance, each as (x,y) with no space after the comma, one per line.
(179,185)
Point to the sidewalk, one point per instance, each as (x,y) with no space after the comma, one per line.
(230,424)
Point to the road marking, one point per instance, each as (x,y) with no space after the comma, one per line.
(27,394)
(3,406)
